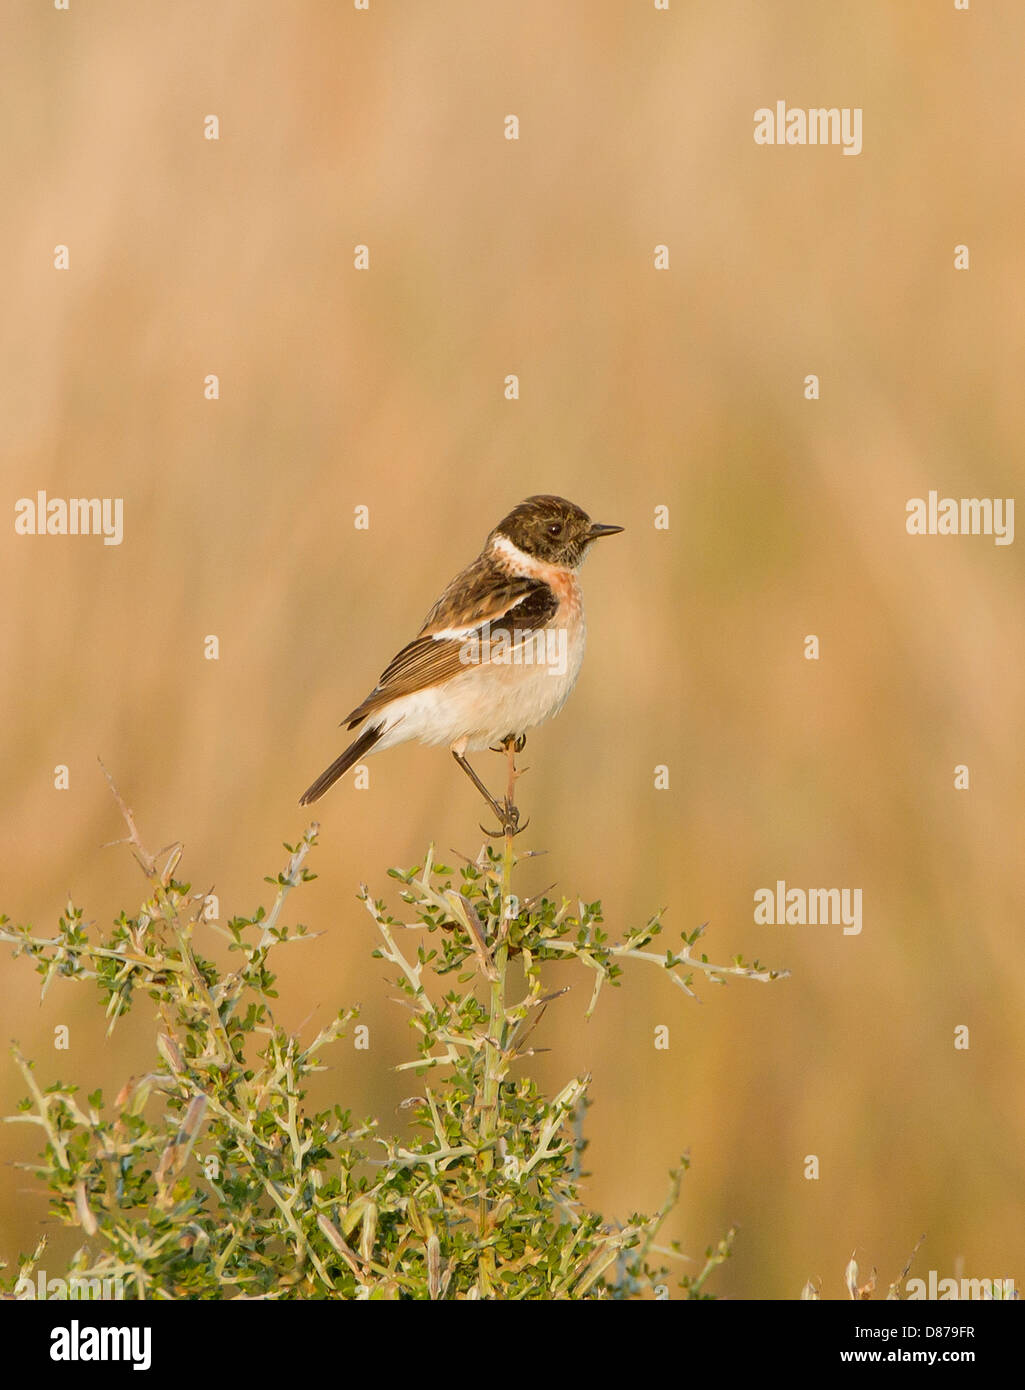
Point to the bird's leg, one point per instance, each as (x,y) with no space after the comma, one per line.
(509,822)
(506,811)
(496,806)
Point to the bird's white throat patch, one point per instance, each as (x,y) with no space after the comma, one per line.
(519,562)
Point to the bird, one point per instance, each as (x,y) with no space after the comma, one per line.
(497,655)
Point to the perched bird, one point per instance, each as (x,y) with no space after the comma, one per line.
(498,653)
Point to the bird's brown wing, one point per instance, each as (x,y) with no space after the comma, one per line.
(521,605)
(479,593)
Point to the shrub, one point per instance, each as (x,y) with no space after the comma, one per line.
(206,1178)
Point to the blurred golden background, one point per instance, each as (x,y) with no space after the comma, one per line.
(639,388)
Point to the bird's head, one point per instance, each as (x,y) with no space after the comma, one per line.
(551,530)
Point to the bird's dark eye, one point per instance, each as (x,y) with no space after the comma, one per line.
(555,529)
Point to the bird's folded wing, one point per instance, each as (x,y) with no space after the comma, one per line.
(443,650)
(482,592)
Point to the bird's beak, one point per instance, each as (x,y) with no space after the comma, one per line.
(598,528)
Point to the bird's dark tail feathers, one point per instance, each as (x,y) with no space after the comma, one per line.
(341,764)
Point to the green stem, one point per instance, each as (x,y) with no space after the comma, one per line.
(494,1047)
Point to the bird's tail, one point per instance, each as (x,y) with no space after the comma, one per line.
(341,764)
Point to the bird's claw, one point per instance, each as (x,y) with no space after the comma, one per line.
(509,815)
(518,743)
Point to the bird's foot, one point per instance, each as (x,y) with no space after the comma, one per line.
(509,815)
(518,741)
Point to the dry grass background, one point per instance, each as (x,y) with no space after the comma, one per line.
(638,389)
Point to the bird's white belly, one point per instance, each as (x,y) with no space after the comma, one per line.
(502,696)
